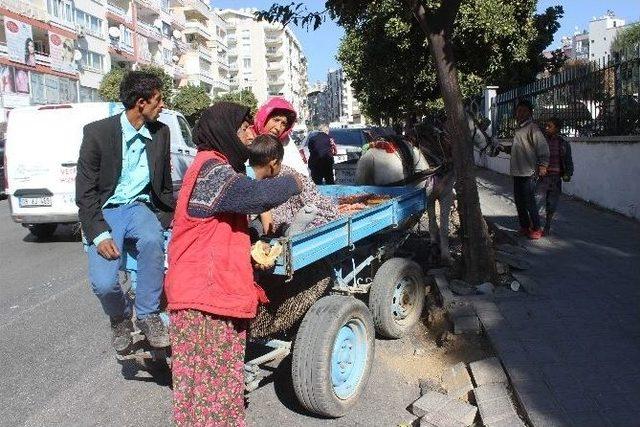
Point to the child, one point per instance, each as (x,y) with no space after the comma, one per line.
(560,169)
(307,210)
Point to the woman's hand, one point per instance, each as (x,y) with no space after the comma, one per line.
(266,218)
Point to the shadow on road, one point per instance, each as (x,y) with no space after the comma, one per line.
(66,233)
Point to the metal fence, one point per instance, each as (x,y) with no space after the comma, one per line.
(598,98)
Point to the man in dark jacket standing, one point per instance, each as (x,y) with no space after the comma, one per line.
(321,158)
(124,191)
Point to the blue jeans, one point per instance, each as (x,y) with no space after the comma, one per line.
(137,222)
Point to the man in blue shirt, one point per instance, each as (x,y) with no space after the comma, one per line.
(124,191)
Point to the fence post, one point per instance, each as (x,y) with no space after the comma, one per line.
(489,95)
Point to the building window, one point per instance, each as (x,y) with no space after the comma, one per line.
(89,94)
(92,60)
(246,62)
(166,29)
(246,35)
(62,10)
(166,5)
(127,37)
(92,24)
(166,55)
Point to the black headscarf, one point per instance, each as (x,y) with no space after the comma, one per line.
(217,130)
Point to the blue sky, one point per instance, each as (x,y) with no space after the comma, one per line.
(578,13)
(321,45)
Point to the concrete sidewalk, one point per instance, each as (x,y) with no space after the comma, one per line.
(571,343)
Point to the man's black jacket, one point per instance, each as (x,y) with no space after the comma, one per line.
(100,165)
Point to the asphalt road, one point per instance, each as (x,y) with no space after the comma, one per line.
(57,367)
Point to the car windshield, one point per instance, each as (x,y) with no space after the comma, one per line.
(350,137)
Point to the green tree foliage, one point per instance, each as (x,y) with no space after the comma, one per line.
(242,97)
(191,100)
(109,88)
(628,39)
(384,52)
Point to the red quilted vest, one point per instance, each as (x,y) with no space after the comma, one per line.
(209,258)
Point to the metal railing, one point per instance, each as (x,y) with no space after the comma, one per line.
(598,98)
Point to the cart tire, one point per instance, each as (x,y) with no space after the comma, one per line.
(396,297)
(43,231)
(332,355)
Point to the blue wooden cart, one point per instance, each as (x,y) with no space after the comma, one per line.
(373,290)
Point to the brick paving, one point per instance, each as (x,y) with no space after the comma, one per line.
(571,342)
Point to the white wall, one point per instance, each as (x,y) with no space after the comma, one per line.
(607,172)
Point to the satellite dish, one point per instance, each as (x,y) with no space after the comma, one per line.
(77,55)
(114,32)
(175,58)
(157,23)
(177,34)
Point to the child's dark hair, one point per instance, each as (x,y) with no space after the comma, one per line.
(136,85)
(522,102)
(264,149)
(556,122)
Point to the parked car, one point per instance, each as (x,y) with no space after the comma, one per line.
(3,169)
(41,155)
(349,142)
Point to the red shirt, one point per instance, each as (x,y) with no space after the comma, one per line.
(555,147)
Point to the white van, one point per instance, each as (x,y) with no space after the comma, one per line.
(42,147)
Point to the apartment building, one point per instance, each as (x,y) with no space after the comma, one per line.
(343,105)
(318,104)
(266,58)
(55,51)
(602,32)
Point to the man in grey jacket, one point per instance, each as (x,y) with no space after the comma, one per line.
(529,160)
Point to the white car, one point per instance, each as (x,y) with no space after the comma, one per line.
(41,155)
(349,142)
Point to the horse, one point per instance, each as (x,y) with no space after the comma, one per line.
(397,161)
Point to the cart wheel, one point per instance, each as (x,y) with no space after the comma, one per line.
(396,297)
(332,355)
(43,231)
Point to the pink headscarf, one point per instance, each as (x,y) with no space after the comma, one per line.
(262,116)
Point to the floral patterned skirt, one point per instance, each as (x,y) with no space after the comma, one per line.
(208,369)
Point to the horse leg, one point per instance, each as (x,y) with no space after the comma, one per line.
(433,224)
(446,201)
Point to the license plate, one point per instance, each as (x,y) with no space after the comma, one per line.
(29,202)
(340,158)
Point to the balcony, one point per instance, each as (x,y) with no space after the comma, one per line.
(273,53)
(26,8)
(233,67)
(148,30)
(202,77)
(275,82)
(199,29)
(222,64)
(203,51)
(121,51)
(273,40)
(149,7)
(118,14)
(145,55)
(275,67)
(222,85)
(178,21)
(180,46)
(197,7)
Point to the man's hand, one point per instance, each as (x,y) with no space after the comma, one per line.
(266,219)
(108,249)
(542,170)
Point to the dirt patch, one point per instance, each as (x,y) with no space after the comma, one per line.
(430,348)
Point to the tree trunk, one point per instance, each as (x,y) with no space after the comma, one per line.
(478,255)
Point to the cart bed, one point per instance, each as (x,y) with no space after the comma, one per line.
(303,249)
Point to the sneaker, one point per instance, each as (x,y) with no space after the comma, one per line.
(535,234)
(524,231)
(121,329)
(154,330)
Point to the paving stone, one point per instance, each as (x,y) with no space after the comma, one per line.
(541,418)
(457,381)
(440,420)
(487,371)
(428,384)
(513,421)
(432,401)
(466,325)
(436,407)
(494,403)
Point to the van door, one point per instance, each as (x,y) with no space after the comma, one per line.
(182,147)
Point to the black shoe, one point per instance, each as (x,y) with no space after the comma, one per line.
(121,329)
(154,330)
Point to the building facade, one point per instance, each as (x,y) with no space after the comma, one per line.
(343,105)
(602,32)
(318,104)
(265,58)
(54,51)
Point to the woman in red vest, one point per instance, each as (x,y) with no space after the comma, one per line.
(209,285)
